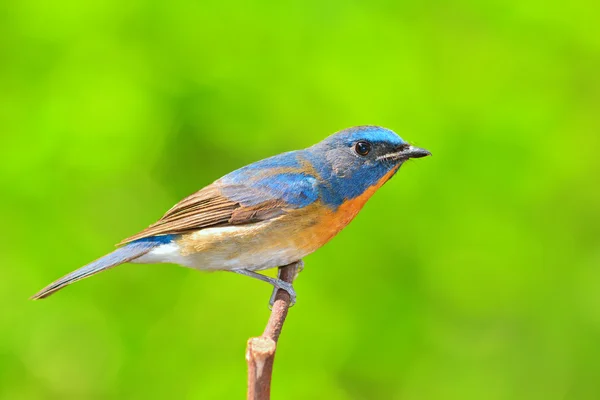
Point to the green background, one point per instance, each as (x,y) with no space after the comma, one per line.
(473,274)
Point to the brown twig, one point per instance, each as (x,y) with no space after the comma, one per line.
(260,351)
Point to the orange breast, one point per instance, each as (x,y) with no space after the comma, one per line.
(329,223)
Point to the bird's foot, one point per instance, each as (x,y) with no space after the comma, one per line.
(277,284)
(283,285)
(292,293)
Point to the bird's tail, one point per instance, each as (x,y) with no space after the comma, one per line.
(121,255)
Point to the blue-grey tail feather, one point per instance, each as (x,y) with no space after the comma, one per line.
(121,255)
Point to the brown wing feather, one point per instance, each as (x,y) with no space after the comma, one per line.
(207,208)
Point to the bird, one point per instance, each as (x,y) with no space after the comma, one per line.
(268,214)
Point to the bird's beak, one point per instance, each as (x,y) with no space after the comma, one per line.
(405,152)
(415,152)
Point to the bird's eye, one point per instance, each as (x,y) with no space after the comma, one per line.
(362,148)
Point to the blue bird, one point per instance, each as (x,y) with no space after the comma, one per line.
(267,214)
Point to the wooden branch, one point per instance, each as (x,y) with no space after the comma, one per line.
(260,351)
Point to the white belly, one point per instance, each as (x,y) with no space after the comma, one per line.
(226,248)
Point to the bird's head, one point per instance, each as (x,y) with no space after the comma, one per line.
(360,157)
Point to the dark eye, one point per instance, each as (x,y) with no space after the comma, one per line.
(362,148)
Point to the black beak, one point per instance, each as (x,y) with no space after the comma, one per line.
(415,152)
(405,152)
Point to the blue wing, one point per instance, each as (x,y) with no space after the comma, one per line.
(285,177)
(257,192)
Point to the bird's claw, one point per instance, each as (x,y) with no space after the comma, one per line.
(283,285)
(277,283)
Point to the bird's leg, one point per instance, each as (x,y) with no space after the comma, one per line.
(299,268)
(277,283)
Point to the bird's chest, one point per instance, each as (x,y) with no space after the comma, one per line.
(333,221)
(326,223)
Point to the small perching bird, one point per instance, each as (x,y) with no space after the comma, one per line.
(267,214)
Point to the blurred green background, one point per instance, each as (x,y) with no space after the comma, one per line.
(473,274)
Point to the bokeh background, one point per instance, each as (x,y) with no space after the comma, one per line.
(473,274)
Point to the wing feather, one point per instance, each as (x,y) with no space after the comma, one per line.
(257,192)
(208,208)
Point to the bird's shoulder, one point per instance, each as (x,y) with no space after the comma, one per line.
(290,177)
